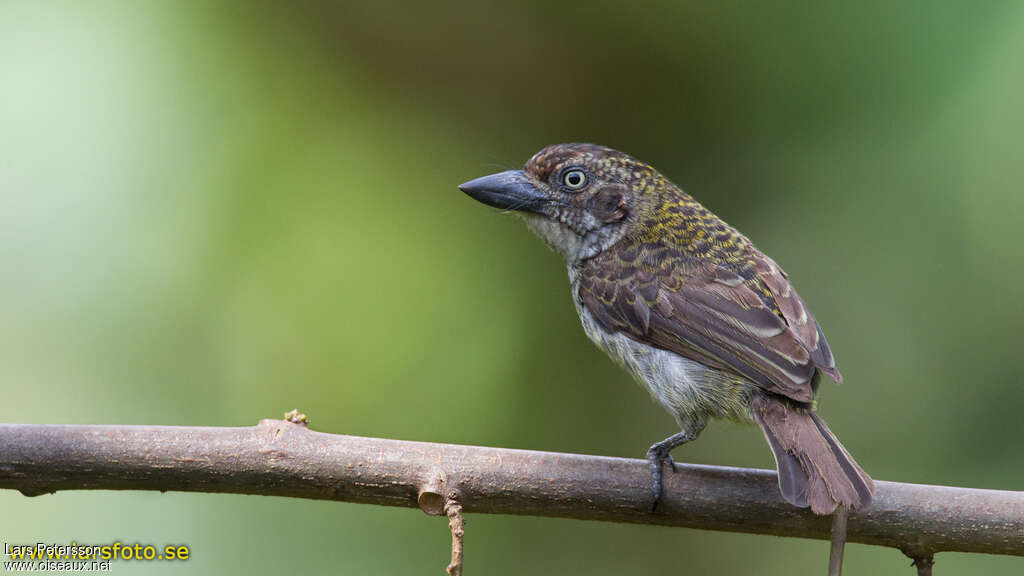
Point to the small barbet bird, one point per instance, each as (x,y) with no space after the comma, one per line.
(706,322)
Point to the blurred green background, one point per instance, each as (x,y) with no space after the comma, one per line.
(211,213)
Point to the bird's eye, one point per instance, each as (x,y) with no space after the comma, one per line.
(574,179)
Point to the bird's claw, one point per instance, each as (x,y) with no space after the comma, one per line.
(671,462)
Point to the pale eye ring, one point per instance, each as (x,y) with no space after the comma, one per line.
(574,179)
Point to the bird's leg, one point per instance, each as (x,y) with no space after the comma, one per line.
(659,453)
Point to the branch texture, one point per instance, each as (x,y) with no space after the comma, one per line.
(281,458)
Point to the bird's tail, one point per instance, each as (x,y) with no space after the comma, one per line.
(814,468)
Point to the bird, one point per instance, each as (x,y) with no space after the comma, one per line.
(707,323)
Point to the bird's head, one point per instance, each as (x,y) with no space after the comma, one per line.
(580,198)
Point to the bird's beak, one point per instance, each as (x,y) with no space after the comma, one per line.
(508,190)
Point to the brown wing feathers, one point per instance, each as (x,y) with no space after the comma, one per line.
(713,315)
(797,316)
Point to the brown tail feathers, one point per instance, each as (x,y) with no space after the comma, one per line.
(814,468)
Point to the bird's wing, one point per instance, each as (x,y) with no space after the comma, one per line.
(745,319)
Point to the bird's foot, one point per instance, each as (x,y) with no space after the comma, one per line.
(658,455)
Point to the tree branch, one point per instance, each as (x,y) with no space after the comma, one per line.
(282,458)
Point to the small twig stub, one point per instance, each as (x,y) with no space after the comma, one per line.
(924,565)
(457,524)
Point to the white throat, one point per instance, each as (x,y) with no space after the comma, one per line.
(570,245)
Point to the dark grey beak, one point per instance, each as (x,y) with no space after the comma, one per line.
(508,190)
